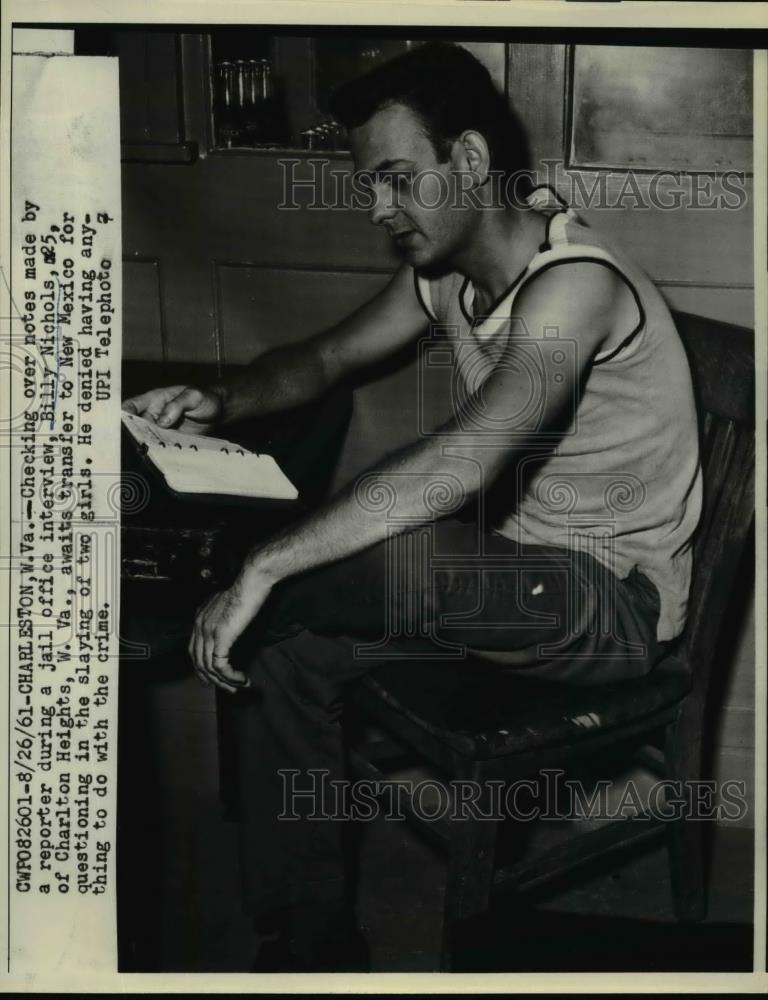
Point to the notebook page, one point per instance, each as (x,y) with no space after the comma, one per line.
(192,463)
(216,472)
(148,433)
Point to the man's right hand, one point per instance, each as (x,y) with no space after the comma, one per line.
(182,407)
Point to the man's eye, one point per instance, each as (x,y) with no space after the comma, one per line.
(402,181)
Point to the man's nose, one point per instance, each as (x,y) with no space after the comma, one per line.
(383,208)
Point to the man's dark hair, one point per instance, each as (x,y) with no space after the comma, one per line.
(450,91)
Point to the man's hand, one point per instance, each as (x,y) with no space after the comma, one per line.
(182,407)
(219,623)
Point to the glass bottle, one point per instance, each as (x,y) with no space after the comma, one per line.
(267,100)
(224,104)
(240,100)
(253,102)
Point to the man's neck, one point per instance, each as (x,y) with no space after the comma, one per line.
(504,245)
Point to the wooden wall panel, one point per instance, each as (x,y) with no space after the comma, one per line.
(733,305)
(143,326)
(263,307)
(384,419)
(230,206)
(391,412)
(536,90)
(697,246)
(150,108)
(226,208)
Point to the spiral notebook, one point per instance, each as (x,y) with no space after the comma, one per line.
(193,464)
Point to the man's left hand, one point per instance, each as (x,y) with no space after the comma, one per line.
(219,623)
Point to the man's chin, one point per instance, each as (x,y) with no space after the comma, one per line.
(418,257)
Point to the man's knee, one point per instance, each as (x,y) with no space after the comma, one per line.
(306,669)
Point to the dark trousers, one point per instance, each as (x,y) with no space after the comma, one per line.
(445,589)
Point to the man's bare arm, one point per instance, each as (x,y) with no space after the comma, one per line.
(294,374)
(463,455)
(462,452)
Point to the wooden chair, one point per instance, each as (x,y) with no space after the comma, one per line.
(482,725)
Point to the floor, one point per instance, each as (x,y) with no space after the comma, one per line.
(179,884)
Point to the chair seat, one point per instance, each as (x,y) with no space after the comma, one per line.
(483,712)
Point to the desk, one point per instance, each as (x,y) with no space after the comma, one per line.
(173,554)
(187,542)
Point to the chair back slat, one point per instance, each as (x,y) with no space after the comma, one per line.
(722,361)
(718,440)
(722,365)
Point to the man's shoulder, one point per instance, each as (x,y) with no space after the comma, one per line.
(582,299)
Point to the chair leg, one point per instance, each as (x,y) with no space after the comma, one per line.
(471,859)
(686,835)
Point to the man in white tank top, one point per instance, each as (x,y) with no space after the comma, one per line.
(572,439)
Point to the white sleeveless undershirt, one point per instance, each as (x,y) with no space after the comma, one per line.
(623,480)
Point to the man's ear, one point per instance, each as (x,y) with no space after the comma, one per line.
(473,155)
